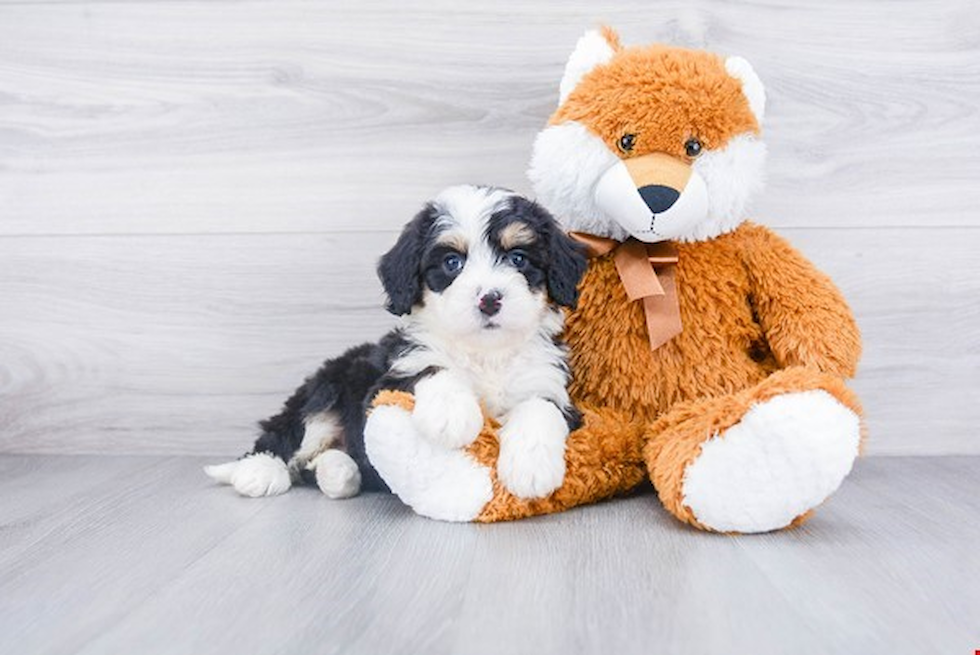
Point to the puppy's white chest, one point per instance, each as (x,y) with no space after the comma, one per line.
(490,383)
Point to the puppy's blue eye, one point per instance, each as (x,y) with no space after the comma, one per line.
(517,259)
(453,262)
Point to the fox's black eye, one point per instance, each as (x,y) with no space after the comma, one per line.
(692,148)
(453,263)
(626,142)
(517,259)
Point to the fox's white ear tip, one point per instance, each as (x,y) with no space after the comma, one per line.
(752,87)
(587,36)
(591,50)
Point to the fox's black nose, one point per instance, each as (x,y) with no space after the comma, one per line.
(659,198)
(490,302)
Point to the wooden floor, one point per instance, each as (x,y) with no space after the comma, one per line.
(143,555)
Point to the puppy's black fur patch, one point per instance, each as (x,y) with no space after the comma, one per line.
(343,386)
(436,277)
(400,268)
(554,258)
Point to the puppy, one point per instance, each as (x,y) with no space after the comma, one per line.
(479,278)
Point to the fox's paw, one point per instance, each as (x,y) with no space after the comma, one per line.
(783,458)
(436,482)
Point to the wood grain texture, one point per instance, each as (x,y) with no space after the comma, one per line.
(151,117)
(170,344)
(144,555)
(178,344)
(192,194)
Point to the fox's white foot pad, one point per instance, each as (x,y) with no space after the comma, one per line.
(785,457)
(434,481)
(337,474)
(253,476)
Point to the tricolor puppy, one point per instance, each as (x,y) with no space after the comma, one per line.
(479,277)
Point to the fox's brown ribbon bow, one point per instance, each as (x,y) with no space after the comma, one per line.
(647,271)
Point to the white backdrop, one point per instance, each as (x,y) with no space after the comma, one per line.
(193,194)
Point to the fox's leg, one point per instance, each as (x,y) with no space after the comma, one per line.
(434,480)
(757,460)
(603,458)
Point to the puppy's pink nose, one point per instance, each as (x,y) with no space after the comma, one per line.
(490,302)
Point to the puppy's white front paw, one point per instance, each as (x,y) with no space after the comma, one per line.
(447,412)
(532,449)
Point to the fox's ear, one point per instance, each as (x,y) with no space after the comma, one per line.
(752,87)
(594,48)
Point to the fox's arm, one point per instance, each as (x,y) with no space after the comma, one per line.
(804,316)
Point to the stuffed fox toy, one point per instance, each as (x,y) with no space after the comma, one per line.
(708,355)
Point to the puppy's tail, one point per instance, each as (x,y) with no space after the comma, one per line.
(222,473)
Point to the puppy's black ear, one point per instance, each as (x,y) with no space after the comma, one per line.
(400,268)
(565,257)
(566,268)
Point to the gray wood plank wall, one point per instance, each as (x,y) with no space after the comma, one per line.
(193,194)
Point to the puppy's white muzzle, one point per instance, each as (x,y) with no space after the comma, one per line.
(618,195)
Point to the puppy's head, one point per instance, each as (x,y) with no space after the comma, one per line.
(483,263)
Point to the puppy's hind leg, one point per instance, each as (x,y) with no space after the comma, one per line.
(337,474)
(312,423)
(264,472)
(256,475)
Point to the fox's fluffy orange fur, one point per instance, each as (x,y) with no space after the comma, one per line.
(664,96)
(759,320)
(658,407)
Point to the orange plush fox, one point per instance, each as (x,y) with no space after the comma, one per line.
(708,355)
